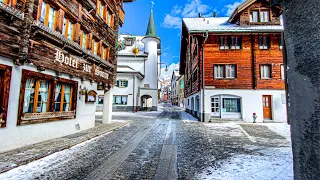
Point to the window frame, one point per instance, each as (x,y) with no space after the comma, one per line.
(94,42)
(46,15)
(226,44)
(50,115)
(264,42)
(263,73)
(11,3)
(82,33)
(282,72)
(224,67)
(66,29)
(123,81)
(121,96)
(5,79)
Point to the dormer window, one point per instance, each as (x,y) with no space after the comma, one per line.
(254,16)
(260,16)
(264,16)
(128,42)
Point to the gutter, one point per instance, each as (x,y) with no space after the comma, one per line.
(134,87)
(206,35)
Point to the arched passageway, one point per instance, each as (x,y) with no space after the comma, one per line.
(146,103)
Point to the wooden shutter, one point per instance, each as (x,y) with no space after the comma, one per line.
(39,10)
(100,49)
(76,33)
(89,41)
(60,17)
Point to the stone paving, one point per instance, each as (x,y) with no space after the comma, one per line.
(157,145)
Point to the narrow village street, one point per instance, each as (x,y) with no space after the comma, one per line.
(170,144)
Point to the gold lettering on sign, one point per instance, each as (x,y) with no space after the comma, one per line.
(102,74)
(64,60)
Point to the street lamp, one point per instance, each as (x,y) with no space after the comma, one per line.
(166,66)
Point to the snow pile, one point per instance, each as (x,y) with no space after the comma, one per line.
(271,163)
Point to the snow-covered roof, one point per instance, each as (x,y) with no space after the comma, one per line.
(221,24)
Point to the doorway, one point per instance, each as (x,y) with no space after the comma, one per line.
(267,106)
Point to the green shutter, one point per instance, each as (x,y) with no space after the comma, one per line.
(117,84)
(126,84)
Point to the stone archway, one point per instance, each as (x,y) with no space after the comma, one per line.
(146,102)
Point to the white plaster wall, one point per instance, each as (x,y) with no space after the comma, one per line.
(137,63)
(188,106)
(125,90)
(151,72)
(251,101)
(152,93)
(14,136)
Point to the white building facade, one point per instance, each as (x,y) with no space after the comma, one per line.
(174,87)
(137,73)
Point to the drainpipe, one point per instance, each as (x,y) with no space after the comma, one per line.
(133,94)
(206,35)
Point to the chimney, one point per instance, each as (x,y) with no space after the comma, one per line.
(214,14)
(199,15)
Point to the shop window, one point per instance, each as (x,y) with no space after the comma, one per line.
(67,28)
(231,105)
(264,42)
(46,98)
(48,15)
(265,71)
(120,100)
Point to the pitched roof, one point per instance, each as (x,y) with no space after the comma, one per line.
(221,24)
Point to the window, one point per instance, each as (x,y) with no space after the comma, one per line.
(36,96)
(5,77)
(109,18)
(122,83)
(48,15)
(265,71)
(219,71)
(67,29)
(263,42)
(52,98)
(235,42)
(282,71)
(254,16)
(224,43)
(100,99)
(260,16)
(101,9)
(230,71)
(105,53)
(94,47)
(9,2)
(264,16)
(120,100)
(62,98)
(215,104)
(83,39)
(231,105)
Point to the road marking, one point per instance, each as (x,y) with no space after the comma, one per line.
(252,139)
(113,162)
(167,166)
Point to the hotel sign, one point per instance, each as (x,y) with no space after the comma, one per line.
(75,63)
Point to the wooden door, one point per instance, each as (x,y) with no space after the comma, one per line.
(267,106)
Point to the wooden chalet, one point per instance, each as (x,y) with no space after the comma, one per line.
(54,54)
(233,66)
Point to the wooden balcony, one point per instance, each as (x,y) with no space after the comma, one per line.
(121,15)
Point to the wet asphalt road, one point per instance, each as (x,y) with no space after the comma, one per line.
(152,146)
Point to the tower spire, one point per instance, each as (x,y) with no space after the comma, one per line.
(151,30)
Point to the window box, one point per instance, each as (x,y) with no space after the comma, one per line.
(45,98)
